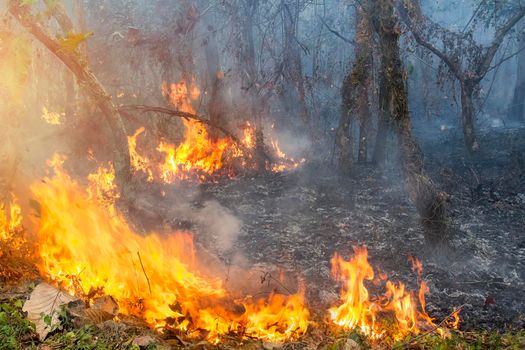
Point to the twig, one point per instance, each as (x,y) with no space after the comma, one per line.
(410,341)
(143,270)
(336,33)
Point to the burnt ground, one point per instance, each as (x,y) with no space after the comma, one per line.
(296,221)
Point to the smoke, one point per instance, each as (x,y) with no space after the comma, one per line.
(218,223)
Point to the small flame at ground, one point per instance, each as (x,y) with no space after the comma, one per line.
(358,310)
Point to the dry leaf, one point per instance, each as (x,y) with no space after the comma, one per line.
(45,300)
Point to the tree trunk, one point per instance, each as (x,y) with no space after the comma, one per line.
(295,93)
(92,88)
(516,110)
(468,115)
(429,202)
(216,103)
(355,96)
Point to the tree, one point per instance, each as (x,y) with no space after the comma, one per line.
(354,95)
(67,52)
(292,68)
(468,61)
(517,107)
(429,202)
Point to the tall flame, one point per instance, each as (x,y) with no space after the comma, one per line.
(10,219)
(88,249)
(358,310)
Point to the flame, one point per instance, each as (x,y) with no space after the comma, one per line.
(358,310)
(283,163)
(89,250)
(138,162)
(199,156)
(53,118)
(10,219)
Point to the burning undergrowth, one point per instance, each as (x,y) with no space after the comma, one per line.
(201,155)
(86,247)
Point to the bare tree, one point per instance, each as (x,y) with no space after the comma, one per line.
(517,108)
(468,61)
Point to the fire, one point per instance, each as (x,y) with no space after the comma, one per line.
(138,162)
(10,219)
(358,310)
(199,155)
(89,250)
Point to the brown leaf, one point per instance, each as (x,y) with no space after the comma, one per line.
(45,300)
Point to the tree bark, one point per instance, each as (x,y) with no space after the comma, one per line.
(295,93)
(516,110)
(468,115)
(429,202)
(355,97)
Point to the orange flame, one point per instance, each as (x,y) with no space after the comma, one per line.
(10,219)
(88,250)
(359,311)
(199,156)
(138,162)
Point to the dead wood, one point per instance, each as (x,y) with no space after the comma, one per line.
(185,115)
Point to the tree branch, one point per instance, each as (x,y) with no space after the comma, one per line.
(75,63)
(405,15)
(336,33)
(498,39)
(185,115)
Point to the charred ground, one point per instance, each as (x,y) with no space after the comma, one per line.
(296,221)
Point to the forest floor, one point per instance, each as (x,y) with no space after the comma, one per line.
(296,221)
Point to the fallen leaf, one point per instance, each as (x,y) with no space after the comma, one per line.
(45,300)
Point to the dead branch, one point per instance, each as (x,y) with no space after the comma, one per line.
(336,33)
(145,274)
(185,115)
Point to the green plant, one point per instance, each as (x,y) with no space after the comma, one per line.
(16,332)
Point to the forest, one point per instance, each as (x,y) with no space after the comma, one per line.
(262,174)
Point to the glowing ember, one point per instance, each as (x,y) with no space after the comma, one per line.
(53,118)
(10,219)
(89,250)
(360,311)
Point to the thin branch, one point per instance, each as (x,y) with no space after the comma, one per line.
(411,341)
(145,274)
(498,39)
(336,33)
(414,28)
(184,115)
(506,59)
